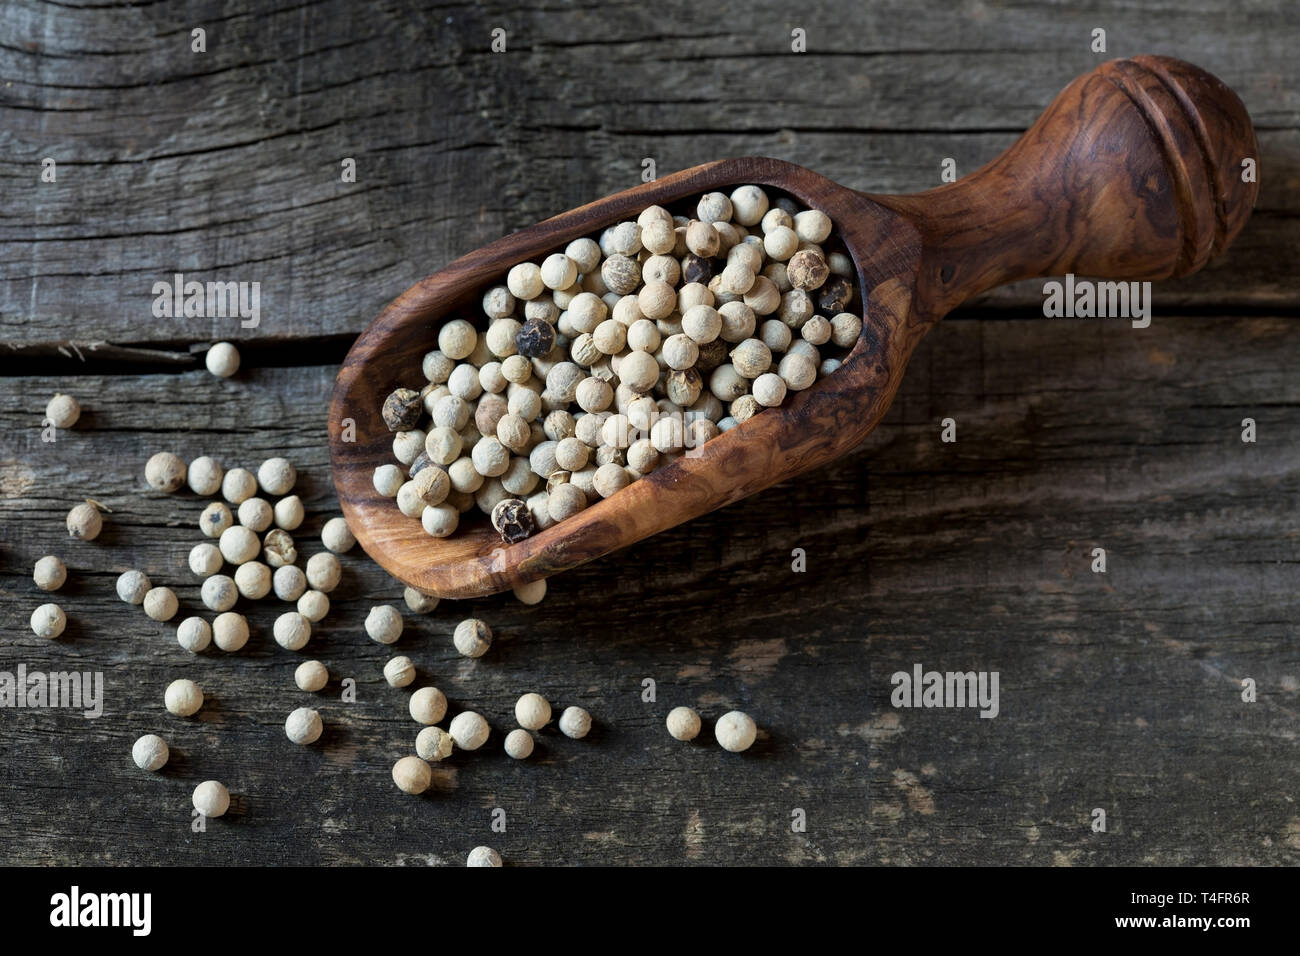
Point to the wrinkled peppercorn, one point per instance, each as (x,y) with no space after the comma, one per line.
(536,337)
(807,271)
(512,520)
(834,296)
(696,269)
(402,409)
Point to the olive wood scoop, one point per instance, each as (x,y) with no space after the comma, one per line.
(1134,172)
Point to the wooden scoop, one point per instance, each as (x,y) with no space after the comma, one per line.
(1134,172)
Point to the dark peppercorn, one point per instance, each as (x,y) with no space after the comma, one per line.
(402,409)
(535,338)
(712,354)
(696,269)
(512,520)
(835,296)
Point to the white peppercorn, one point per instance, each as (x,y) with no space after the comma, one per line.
(215,519)
(311,676)
(253,579)
(769,389)
(440,521)
(239,544)
(407,445)
(384,624)
(469,730)
(436,366)
(812,225)
(418,602)
(532,711)
(558,271)
(564,501)
(735,731)
(749,204)
(483,856)
(303,726)
(517,369)
(519,744)
(519,479)
(816,331)
(457,339)
(575,723)
(845,329)
(702,323)
(165,472)
(48,621)
(62,411)
(443,445)
(412,775)
(160,604)
(524,281)
(609,479)
(219,593)
(620,274)
(763,296)
(85,522)
(399,672)
(292,631)
(428,705)
(336,535)
(211,799)
(464,383)
(409,501)
(464,477)
(324,571)
(238,485)
(204,476)
(472,637)
(639,371)
(222,360)
(490,457)
(744,408)
(531,593)
(433,744)
(314,605)
(642,456)
(230,631)
(255,514)
(277,476)
(183,698)
(194,634)
(683,723)
(49,573)
(797,371)
(205,559)
(150,752)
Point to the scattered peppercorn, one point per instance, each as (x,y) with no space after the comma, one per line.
(49,573)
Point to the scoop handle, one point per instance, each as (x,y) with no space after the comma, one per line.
(1135,171)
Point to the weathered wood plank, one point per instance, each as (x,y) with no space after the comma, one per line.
(226,164)
(1118,691)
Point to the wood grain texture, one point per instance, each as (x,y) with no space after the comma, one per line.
(1120,691)
(226,164)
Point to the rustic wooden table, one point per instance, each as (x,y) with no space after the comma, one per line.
(1120,691)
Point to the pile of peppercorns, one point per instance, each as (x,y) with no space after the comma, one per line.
(615,357)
